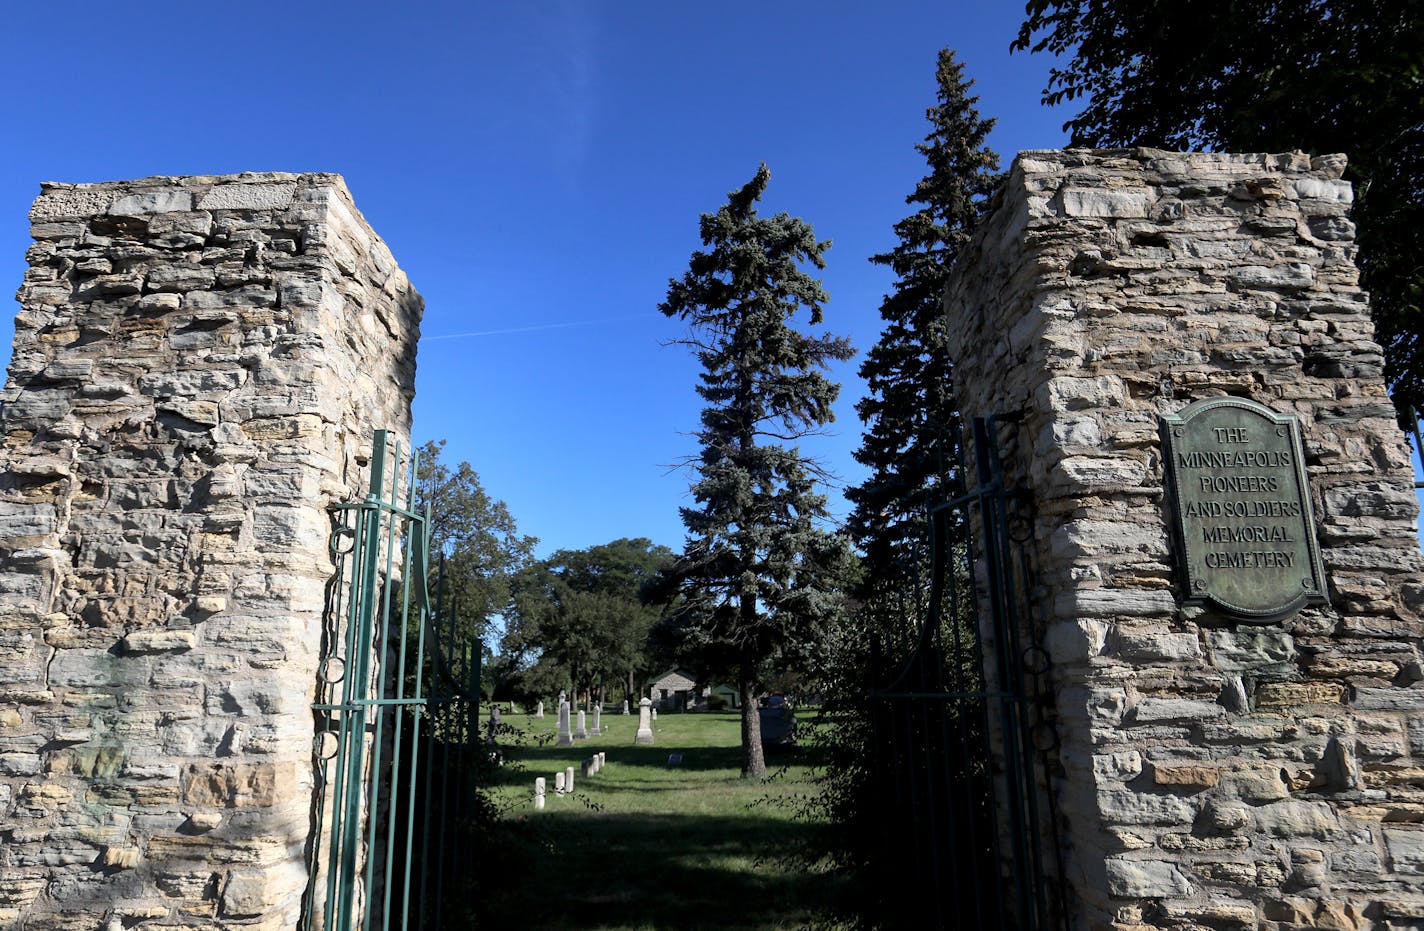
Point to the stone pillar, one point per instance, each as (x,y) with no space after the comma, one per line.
(1213,771)
(540,712)
(644,736)
(539,792)
(598,718)
(198,367)
(582,732)
(566,736)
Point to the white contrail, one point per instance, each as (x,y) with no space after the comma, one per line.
(541,326)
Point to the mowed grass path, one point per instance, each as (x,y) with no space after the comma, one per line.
(642,845)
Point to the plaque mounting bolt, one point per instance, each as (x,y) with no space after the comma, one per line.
(1306,583)
(1199,584)
(1280,431)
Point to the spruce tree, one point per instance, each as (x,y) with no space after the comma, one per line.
(759,571)
(911,422)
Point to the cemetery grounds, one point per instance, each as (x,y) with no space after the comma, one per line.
(644,844)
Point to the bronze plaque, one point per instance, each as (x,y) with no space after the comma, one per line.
(1241,509)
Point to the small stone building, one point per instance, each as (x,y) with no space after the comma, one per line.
(676,690)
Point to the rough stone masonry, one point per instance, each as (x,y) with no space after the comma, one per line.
(1213,774)
(198,367)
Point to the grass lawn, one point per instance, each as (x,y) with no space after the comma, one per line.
(642,845)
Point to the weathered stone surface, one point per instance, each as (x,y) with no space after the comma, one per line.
(1146,879)
(248,197)
(1290,695)
(152,202)
(1406,849)
(175,434)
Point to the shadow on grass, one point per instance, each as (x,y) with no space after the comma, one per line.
(695,758)
(646,871)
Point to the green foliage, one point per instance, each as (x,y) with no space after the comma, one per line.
(476,535)
(580,616)
(759,574)
(911,422)
(1269,75)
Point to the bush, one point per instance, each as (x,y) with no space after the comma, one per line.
(716,703)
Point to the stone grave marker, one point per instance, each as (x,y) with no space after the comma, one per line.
(644,737)
(566,736)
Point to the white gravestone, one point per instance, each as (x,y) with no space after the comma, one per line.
(598,718)
(625,706)
(582,732)
(566,737)
(539,793)
(540,712)
(569,779)
(559,784)
(644,737)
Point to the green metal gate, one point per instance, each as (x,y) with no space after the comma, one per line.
(396,721)
(963,725)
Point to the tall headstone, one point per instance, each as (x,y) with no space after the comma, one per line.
(566,736)
(625,706)
(559,787)
(539,793)
(582,732)
(1227,567)
(644,736)
(598,718)
(569,779)
(198,366)
(539,712)
(493,726)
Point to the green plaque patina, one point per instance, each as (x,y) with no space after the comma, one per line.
(1241,509)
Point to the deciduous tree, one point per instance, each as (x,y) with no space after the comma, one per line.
(475,533)
(579,615)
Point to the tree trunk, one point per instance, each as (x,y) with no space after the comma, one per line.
(753,759)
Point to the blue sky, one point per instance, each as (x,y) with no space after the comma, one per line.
(538,169)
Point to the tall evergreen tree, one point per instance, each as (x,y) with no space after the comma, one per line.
(909,414)
(759,571)
(910,445)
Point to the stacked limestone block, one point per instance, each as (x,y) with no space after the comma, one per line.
(198,366)
(1213,774)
